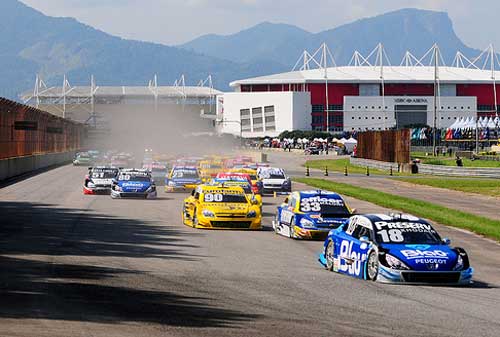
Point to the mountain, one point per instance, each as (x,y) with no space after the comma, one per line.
(31,42)
(407,29)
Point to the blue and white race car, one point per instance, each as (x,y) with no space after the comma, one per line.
(396,249)
(311,214)
(133,183)
(182,179)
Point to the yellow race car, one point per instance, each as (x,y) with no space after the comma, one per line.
(210,168)
(221,207)
(257,186)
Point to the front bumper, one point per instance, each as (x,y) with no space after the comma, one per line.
(270,189)
(180,188)
(96,190)
(132,195)
(230,223)
(310,234)
(388,275)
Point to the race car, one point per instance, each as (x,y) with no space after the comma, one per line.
(122,160)
(395,249)
(238,179)
(99,180)
(256,183)
(182,179)
(221,207)
(209,169)
(158,171)
(274,180)
(82,159)
(311,214)
(133,183)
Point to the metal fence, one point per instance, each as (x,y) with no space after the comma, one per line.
(26,131)
(389,146)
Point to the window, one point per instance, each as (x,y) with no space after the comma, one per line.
(245,113)
(269,108)
(271,128)
(335,107)
(318,119)
(318,108)
(270,119)
(245,122)
(256,111)
(259,129)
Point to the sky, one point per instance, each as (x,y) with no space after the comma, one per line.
(176,21)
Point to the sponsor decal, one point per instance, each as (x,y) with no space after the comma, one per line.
(417,254)
(350,261)
(313,204)
(403,225)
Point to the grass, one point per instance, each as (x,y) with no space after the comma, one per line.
(443,215)
(490,187)
(450,161)
(339,165)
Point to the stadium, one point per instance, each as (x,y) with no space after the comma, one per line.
(367,94)
(130,115)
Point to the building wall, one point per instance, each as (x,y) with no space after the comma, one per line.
(291,111)
(370,113)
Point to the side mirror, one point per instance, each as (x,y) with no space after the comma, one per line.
(192,193)
(286,200)
(446,241)
(364,239)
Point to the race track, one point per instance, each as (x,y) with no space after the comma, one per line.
(75,265)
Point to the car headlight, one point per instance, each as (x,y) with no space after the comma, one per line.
(208,214)
(287,182)
(307,223)
(251,214)
(90,184)
(118,188)
(395,263)
(171,183)
(151,188)
(460,263)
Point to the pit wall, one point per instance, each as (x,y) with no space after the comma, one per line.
(14,167)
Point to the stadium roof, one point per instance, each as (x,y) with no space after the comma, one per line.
(123,91)
(372,74)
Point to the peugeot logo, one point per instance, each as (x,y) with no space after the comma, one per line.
(432,266)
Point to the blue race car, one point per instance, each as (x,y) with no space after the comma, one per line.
(133,183)
(395,249)
(311,214)
(182,179)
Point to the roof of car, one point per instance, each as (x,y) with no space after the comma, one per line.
(323,193)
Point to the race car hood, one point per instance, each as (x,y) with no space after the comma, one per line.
(322,221)
(274,181)
(99,181)
(235,208)
(134,186)
(424,257)
(185,181)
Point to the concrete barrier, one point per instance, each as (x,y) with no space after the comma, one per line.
(13,167)
(380,165)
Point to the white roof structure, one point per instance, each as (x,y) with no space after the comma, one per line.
(371,74)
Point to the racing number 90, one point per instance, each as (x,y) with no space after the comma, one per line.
(213,197)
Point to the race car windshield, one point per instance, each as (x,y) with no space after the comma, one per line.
(328,211)
(159,169)
(276,176)
(103,174)
(406,233)
(222,197)
(187,174)
(134,178)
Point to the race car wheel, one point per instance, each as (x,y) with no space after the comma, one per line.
(372,266)
(291,234)
(195,218)
(329,255)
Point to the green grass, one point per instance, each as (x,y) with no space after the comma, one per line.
(490,187)
(339,165)
(433,212)
(450,161)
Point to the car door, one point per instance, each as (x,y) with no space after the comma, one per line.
(287,210)
(190,204)
(350,250)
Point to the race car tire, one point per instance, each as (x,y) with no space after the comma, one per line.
(276,224)
(372,266)
(329,255)
(292,228)
(195,218)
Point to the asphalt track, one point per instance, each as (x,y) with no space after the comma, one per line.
(75,265)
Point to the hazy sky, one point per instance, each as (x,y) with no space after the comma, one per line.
(177,21)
